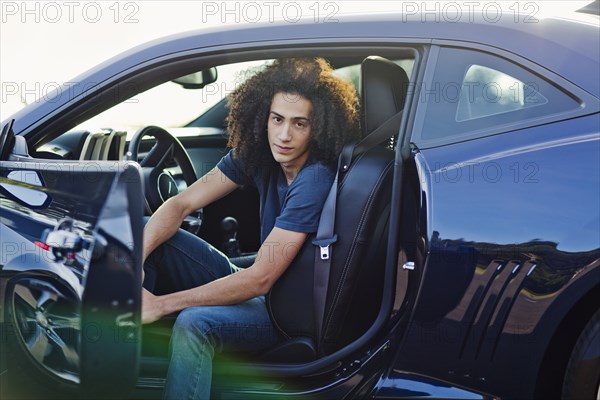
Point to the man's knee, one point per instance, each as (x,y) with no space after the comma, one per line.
(193,320)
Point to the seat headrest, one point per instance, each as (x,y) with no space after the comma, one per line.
(383,92)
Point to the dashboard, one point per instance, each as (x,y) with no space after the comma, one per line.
(105,144)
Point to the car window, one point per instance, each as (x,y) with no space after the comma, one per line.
(486,92)
(473,93)
(169,104)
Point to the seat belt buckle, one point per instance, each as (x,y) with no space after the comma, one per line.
(324,245)
(324,252)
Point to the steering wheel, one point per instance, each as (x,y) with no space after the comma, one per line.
(159,183)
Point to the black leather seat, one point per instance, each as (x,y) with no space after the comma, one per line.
(361,224)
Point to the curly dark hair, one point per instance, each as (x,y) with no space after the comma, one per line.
(334,119)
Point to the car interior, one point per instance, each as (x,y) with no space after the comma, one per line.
(363,276)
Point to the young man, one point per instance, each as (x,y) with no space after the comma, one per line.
(286,125)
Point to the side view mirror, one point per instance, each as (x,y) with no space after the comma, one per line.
(19,186)
(7,140)
(197,80)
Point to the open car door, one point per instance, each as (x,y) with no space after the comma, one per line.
(70,275)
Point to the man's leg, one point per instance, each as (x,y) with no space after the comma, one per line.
(199,332)
(183,262)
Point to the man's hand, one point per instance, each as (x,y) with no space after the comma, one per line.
(151,307)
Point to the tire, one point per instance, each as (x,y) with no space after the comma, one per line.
(582,376)
(22,376)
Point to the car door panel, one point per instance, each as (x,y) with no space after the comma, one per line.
(57,263)
(486,291)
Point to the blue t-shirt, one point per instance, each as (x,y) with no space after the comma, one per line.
(296,207)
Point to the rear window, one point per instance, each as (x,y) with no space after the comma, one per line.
(473,92)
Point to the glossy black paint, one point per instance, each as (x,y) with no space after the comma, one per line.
(508,226)
(399,384)
(104,204)
(510,231)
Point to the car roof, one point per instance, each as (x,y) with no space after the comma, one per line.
(566,45)
(559,44)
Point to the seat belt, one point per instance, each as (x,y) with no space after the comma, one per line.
(325,235)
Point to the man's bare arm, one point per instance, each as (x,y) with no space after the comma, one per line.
(168,218)
(274,257)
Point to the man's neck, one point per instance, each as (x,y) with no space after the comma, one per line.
(290,172)
(291,169)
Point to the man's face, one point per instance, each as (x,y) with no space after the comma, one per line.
(289,130)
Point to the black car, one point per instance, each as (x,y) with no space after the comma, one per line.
(467,260)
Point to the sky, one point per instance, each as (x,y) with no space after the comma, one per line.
(45,43)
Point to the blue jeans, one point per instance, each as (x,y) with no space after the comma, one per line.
(186,261)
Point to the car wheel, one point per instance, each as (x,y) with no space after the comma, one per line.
(582,377)
(41,335)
